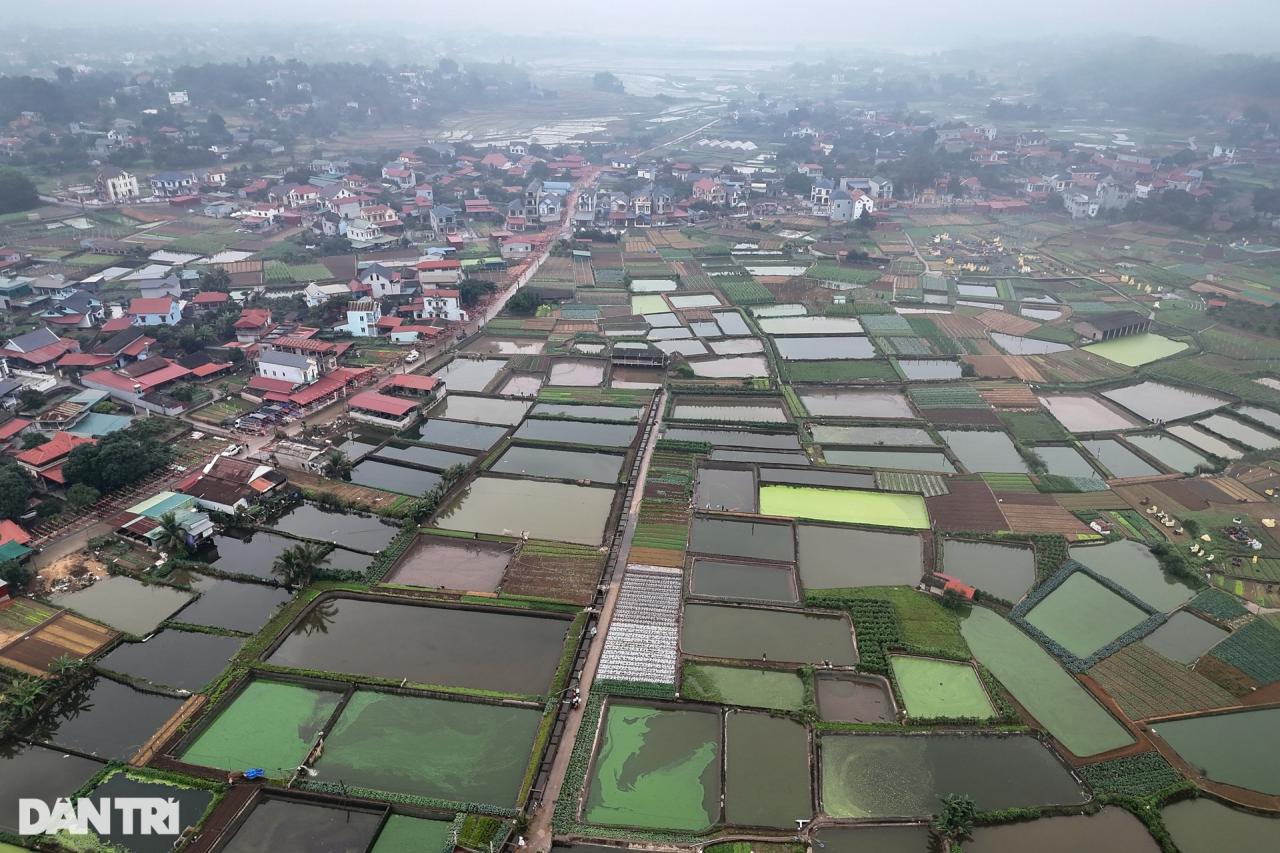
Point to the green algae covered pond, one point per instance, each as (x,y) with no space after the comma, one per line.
(1039,684)
(748,633)
(940,688)
(405,834)
(853,506)
(271,725)
(656,769)
(748,688)
(426,747)
(766,770)
(866,776)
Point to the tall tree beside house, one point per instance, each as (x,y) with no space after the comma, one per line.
(797,184)
(298,565)
(15,490)
(17,192)
(337,466)
(214,278)
(118,459)
(30,399)
(172,537)
(525,303)
(472,290)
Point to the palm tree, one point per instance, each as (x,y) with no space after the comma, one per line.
(337,466)
(172,537)
(955,821)
(296,566)
(23,695)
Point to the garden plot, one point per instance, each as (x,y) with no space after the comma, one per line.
(466,752)
(643,640)
(1083,616)
(934,688)
(1144,684)
(656,769)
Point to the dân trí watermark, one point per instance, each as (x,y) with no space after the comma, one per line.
(104,815)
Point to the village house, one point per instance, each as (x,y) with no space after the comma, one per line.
(382,410)
(37,351)
(290,367)
(362,318)
(155,311)
(436,304)
(115,185)
(169,184)
(45,460)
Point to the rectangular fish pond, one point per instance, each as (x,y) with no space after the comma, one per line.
(1136,350)
(749,633)
(469,752)
(453,563)
(561,512)
(986,451)
(780,690)
(656,769)
(182,660)
(576,372)
(376,474)
(462,434)
(423,457)
(745,581)
(1157,401)
(758,410)
(731,367)
(576,432)
(469,374)
(885,436)
(39,773)
(1132,565)
(1169,452)
(850,403)
(483,410)
(854,699)
(572,411)
(192,805)
(1117,459)
(728,489)
(899,460)
(749,539)
(1229,748)
(868,776)
(229,604)
(560,464)
(278,825)
(824,348)
(852,506)
(1085,413)
(105,718)
(1040,685)
(125,604)
(766,770)
(933,688)
(810,325)
(836,557)
(361,532)
(1005,571)
(1112,830)
(505,346)
(1082,615)
(455,647)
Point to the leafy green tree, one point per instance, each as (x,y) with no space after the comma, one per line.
(296,566)
(30,399)
(606,81)
(955,821)
(214,278)
(119,459)
(17,574)
(525,303)
(17,192)
(797,184)
(81,496)
(472,290)
(337,466)
(15,491)
(172,537)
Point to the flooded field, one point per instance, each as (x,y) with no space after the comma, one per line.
(734,438)
(1185,637)
(652,285)
(401,479)
(810,325)
(253,555)
(904,775)
(695,300)
(363,533)
(427,457)
(731,489)
(649,303)
(850,699)
(104,718)
(1014,345)
(934,688)
(1132,565)
(1169,452)
(232,605)
(1055,699)
(1207,826)
(38,773)
(739,367)
(1082,615)
(752,634)
(844,403)
(545,510)
(1112,830)
(818,477)
(1085,413)
(484,410)
(1155,401)
(902,460)
(818,349)
(271,725)
(886,509)
(620,414)
(461,751)
(521,385)
(738,346)
(984,451)
(288,826)
(1202,440)
(1239,432)
(871,435)
(1225,747)
(125,604)
(509,652)
(578,372)
(752,581)
(634,377)
(887,838)
(576,432)
(656,769)
(560,464)
(1118,459)
(748,688)
(1136,350)
(178,659)
(760,411)
(749,539)
(1045,314)
(1065,461)
(469,374)
(1004,571)
(505,346)
(453,564)
(834,557)
(766,771)
(403,834)
(929,369)
(468,436)
(732,324)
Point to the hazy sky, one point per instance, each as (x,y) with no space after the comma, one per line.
(913,25)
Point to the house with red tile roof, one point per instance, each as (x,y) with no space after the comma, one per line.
(155,311)
(382,410)
(46,460)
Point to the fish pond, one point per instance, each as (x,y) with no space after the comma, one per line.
(376,474)
(1112,830)
(269,724)
(125,604)
(192,804)
(505,346)
(1185,637)
(555,464)
(738,346)
(825,434)
(810,325)
(731,367)
(229,604)
(486,650)
(933,688)
(656,769)
(179,659)
(468,436)
(735,438)
(405,834)
(453,564)
(1155,401)
(469,374)
(1132,565)
(852,506)
(750,581)
(290,826)
(561,512)
(426,457)
(466,752)
(849,403)
(854,699)
(985,451)
(1082,615)
(823,348)
(1119,460)
(1169,452)
(766,771)
(929,369)
(1005,571)
(254,555)
(749,539)
(1137,350)
(1202,440)
(484,410)
(570,411)
(1065,461)
(752,634)
(576,432)
(837,557)
(749,688)
(1014,345)
(762,410)
(360,532)
(38,773)
(865,776)
(1240,432)
(885,838)
(732,489)
(899,460)
(732,324)
(1204,825)
(1055,699)
(1085,413)
(1229,748)
(576,372)
(104,718)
